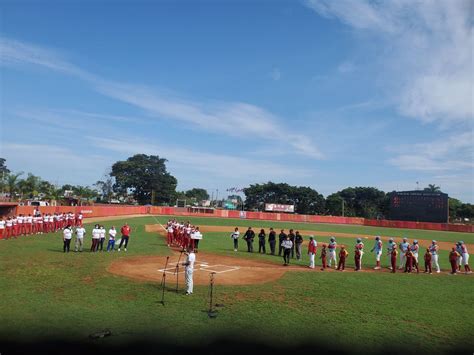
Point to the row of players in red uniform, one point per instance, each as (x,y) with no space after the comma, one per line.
(15,226)
(183,235)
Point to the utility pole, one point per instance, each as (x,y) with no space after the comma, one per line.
(342,208)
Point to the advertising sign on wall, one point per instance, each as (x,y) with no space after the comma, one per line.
(275,207)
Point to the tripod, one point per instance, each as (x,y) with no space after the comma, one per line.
(163,282)
(177,269)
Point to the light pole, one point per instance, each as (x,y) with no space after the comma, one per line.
(342,207)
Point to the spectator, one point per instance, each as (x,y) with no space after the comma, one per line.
(125,230)
(235,237)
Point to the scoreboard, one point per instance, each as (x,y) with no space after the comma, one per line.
(419,206)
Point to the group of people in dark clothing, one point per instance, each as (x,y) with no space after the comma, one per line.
(295,237)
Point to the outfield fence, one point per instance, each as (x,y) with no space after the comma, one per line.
(108,210)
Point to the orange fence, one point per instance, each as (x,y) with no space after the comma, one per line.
(108,210)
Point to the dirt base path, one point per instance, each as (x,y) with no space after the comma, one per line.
(367,239)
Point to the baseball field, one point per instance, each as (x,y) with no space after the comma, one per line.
(50,296)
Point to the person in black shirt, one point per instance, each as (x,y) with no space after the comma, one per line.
(248,236)
(272,241)
(261,241)
(292,238)
(298,242)
(281,238)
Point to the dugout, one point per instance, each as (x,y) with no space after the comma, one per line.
(419,206)
(7,209)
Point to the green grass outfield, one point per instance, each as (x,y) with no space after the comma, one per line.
(47,294)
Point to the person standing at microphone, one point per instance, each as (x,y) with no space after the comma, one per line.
(189,269)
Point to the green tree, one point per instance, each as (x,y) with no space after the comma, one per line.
(305,199)
(144,176)
(198,194)
(367,202)
(106,187)
(29,187)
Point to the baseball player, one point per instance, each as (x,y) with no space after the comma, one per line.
(343,253)
(169,235)
(428,262)
(359,253)
(189,269)
(2,227)
(434,254)
(235,237)
(415,248)
(459,250)
(403,249)
(8,228)
(80,233)
(312,249)
(332,252)
(378,252)
(465,258)
(323,257)
(391,243)
(393,257)
(453,258)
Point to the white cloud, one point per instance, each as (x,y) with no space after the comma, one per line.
(428,55)
(192,161)
(232,118)
(346,67)
(453,153)
(276,74)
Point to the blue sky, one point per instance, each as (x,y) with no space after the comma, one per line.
(327,94)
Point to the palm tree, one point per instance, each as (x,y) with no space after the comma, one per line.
(12,183)
(432,188)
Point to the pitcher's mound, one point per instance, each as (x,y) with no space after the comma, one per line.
(228,270)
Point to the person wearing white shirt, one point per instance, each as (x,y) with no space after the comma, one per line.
(95,238)
(196,236)
(67,236)
(80,233)
(235,236)
(189,269)
(2,227)
(112,234)
(102,238)
(21,224)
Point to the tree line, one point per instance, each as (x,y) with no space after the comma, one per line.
(144,179)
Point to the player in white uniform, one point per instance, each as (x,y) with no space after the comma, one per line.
(80,233)
(360,246)
(189,264)
(403,249)
(434,255)
(465,257)
(21,225)
(332,252)
(378,252)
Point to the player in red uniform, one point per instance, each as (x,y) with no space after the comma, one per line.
(428,262)
(343,253)
(393,257)
(323,257)
(453,260)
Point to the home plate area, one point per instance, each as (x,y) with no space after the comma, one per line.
(200,266)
